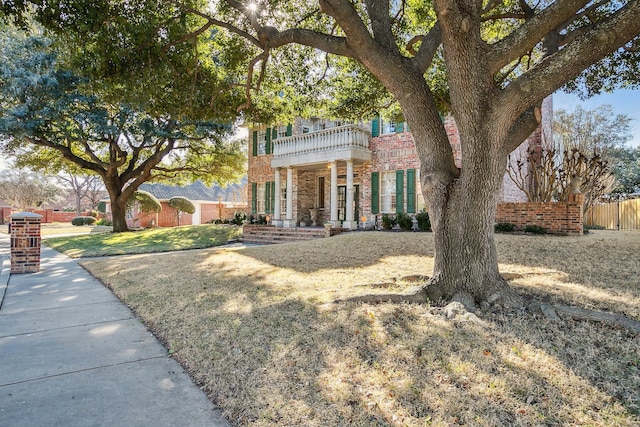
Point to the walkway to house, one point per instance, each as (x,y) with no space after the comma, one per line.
(72,355)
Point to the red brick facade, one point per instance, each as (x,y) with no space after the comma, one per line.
(393,155)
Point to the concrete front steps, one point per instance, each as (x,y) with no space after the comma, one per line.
(269,234)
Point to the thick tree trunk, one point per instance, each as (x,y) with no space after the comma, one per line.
(118,204)
(466,263)
(118,215)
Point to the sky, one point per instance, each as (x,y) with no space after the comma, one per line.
(623,102)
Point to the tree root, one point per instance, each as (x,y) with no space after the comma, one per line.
(462,306)
(583,314)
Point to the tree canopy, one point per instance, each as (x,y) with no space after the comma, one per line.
(50,112)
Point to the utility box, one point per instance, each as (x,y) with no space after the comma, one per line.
(25,242)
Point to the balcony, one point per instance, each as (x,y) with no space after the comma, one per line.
(341,143)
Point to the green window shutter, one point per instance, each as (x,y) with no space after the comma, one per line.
(273,196)
(411,191)
(375,192)
(289,129)
(399,127)
(255,143)
(375,127)
(267,197)
(399,191)
(268,145)
(254,198)
(274,135)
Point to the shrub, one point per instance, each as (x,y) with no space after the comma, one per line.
(147,201)
(239,218)
(104,222)
(535,229)
(182,204)
(388,222)
(504,227)
(404,221)
(83,220)
(424,223)
(94,213)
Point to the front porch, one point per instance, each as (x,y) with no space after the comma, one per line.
(313,162)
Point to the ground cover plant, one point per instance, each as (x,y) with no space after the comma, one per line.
(144,241)
(270,334)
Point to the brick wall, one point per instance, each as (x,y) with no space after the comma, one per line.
(5,213)
(555,217)
(25,242)
(49,215)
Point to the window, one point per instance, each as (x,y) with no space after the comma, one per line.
(388,127)
(260,197)
(283,199)
(320,201)
(262,142)
(282,131)
(388,192)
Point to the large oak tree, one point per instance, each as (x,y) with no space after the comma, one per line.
(500,60)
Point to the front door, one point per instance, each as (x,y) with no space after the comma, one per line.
(342,202)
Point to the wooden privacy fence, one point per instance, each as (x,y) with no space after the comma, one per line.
(623,215)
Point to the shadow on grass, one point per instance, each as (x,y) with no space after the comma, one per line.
(269,358)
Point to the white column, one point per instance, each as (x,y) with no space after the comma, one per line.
(276,209)
(289,222)
(349,222)
(334,194)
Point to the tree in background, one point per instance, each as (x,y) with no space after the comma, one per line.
(87,188)
(545,175)
(28,190)
(490,63)
(625,163)
(49,111)
(605,134)
(181,204)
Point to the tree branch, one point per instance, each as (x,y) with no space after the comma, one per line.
(564,65)
(530,33)
(428,48)
(378,11)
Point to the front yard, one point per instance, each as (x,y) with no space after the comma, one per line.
(260,330)
(144,241)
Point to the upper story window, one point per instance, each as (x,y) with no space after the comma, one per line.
(262,142)
(388,127)
(281,131)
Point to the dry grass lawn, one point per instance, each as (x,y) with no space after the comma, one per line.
(259,331)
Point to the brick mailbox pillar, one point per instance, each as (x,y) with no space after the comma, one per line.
(25,242)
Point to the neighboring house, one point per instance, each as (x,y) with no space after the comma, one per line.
(211,203)
(346,173)
(5,212)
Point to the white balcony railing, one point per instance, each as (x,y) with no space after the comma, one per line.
(327,140)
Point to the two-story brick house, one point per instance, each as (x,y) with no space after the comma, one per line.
(319,171)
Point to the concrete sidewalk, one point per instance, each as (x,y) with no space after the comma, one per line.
(72,355)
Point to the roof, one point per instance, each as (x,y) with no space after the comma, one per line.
(196,191)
